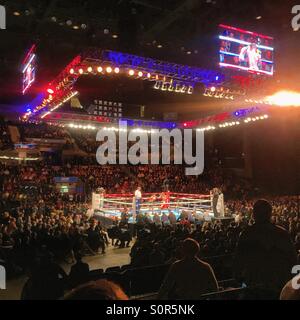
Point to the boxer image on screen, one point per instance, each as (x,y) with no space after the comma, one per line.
(251,55)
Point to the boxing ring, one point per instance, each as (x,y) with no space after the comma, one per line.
(112,205)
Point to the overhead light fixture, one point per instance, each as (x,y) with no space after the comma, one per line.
(131,72)
(258,17)
(117,70)
(115,36)
(285,99)
(99,69)
(157,85)
(16,13)
(75,27)
(177,87)
(108,69)
(159,46)
(89,69)
(190,90)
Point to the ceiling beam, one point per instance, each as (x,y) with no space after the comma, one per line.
(170,18)
(147,4)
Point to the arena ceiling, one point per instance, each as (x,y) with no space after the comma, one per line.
(173,30)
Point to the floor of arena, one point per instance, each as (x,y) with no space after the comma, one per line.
(113,257)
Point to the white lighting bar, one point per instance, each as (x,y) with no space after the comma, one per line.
(234,123)
(244,42)
(80,126)
(18,158)
(28,63)
(223,64)
(28,85)
(237,55)
(138,130)
(45,115)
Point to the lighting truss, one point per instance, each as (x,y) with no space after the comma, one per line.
(95,61)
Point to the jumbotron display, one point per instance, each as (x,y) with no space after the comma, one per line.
(28,69)
(245,50)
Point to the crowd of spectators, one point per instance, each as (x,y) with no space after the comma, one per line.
(39,223)
(5,140)
(215,238)
(52,226)
(41,130)
(38,179)
(85,140)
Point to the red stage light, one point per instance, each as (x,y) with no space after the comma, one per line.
(49,90)
(185,124)
(71,70)
(245,31)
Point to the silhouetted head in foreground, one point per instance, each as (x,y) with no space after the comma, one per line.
(190,248)
(97,290)
(262,211)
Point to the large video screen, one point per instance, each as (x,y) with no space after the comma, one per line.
(28,69)
(245,50)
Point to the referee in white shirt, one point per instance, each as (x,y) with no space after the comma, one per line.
(138,199)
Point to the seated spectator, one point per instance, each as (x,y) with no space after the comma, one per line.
(156,219)
(165,219)
(156,256)
(176,255)
(265,253)
(238,218)
(172,218)
(124,237)
(95,239)
(188,278)
(97,290)
(47,281)
(79,272)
